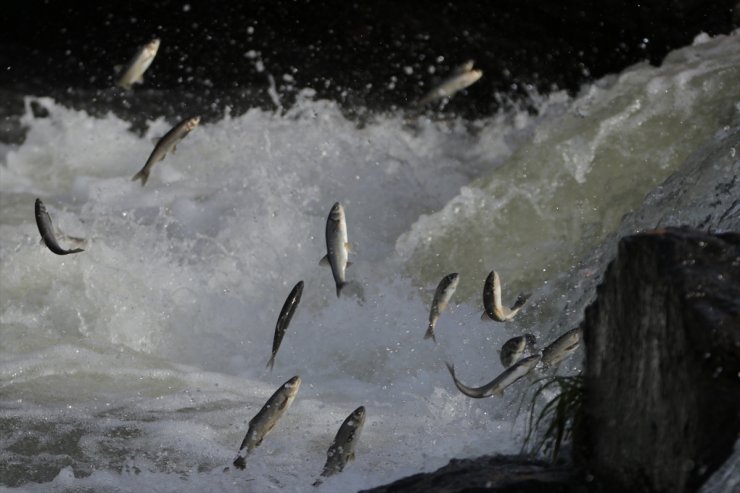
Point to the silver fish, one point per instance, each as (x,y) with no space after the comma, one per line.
(337,246)
(513,349)
(492,300)
(166,144)
(134,73)
(564,346)
(342,449)
(43,221)
(498,384)
(286,314)
(462,77)
(445,289)
(266,419)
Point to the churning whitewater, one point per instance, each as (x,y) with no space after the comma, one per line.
(137,364)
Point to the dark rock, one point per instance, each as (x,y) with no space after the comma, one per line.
(500,473)
(663,355)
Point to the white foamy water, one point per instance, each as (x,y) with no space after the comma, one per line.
(137,364)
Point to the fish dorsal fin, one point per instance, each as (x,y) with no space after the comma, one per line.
(484,316)
(324,260)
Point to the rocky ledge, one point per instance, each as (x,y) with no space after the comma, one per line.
(662,394)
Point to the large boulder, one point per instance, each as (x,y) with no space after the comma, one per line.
(662,393)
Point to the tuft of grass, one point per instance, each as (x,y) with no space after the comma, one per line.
(557,419)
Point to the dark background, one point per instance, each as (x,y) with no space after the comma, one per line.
(364,54)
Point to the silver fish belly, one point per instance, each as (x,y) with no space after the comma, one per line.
(166,144)
(501,382)
(265,420)
(462,77)
(562,347)
(134,73)
(445,289)
(286,314)
(337,246)
(43,222)
(494,309)
(342,449)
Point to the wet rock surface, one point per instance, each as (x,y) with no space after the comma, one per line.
(662,361)
(489,473)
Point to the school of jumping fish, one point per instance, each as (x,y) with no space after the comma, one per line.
(341,450)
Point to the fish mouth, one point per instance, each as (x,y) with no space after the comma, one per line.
(337,212)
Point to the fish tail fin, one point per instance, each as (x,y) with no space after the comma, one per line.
(142,175)
(271,363)
(430,333)
(339,288)
(520,301)
(240,462)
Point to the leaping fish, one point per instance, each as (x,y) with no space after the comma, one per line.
(498,384)
(462,77)
(43,221)
(492,300)
(342,449)
(337,246)
(134,73)
(266,419)
(562,347)
(445,289)
(286,314)
(513,349)
(166,144)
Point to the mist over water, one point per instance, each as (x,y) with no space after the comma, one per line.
(138,363)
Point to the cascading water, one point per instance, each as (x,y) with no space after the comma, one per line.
(137,364)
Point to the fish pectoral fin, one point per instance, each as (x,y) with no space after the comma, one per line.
(324,260)
(351,456)
(349,263)
(174,148)
(117,68)
(499,393)
(348,246)
(155,140)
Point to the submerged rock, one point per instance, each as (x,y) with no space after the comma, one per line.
(489,473)
(662,395)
